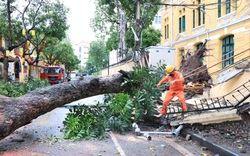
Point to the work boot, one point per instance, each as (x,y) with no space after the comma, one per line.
(184,115)
(159,115)
(163,120)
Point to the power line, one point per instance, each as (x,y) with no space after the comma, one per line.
(199,5)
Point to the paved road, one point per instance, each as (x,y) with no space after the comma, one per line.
(90,100)
(43,137)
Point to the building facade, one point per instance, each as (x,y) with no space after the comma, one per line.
(81,51)
(224,23)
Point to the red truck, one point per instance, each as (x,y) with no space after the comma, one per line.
(54,74)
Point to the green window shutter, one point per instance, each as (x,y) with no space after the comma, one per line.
(199,16)
(180,25)
(227,50)
(183,23)
(167,30)
(193,18)
(199,13)
(204,16)
(219,8)
(228,6)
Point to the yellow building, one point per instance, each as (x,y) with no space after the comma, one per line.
(224,23)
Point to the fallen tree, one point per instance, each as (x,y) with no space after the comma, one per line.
(17,112)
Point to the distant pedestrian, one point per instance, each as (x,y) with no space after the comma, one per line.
(17,63)
(12,77)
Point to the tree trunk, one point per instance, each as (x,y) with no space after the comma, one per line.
(17,112)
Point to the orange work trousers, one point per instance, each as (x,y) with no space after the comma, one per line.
(169,96)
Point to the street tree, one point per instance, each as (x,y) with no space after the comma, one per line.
(98,56)
(71,63)
(150,37)
(112,42)
(139,16)
(67,57)
(28,24)
(108,13)
(53,28)
(53,54)
(60,53)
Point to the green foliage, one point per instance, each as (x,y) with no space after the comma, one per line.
(117,124)
(98,56)
(88,122)
(141,101)
(110,10)
(106,21)
(122,105)
(150,37)
(122,109)
(61,53)
(112,42)
(144,91)
(47,18)
(85,122)
(19,89)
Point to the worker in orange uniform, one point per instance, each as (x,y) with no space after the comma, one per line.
(175,80)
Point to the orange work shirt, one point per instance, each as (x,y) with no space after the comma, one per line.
(177,85)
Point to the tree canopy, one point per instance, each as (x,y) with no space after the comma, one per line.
(111,11)
(61,53)
(32,21)
(30,25)
(113,17)
(98,56)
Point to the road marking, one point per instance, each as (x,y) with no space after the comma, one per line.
(179,147)
(117,145)
(45,119)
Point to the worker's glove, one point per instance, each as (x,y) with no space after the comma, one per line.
(158,85)
(172,82)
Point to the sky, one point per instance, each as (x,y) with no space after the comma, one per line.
(81,11)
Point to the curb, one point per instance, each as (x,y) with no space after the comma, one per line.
(213,147)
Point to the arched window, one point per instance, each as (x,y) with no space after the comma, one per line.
(227,50)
